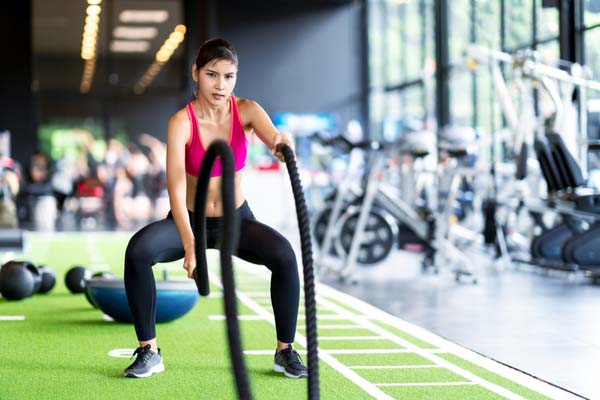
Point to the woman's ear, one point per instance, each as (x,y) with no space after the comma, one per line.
(194,73)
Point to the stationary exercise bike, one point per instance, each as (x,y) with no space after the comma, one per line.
(361,225)
(384,229)
(574,243)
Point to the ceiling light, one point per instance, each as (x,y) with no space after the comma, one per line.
(91,28)
(137,16)
(176,36)
(93,10)
(92,19)
(129,46)
(128,32)
(94,2)
(170,46)
(162,56)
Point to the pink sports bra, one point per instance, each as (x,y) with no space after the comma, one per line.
(195,151)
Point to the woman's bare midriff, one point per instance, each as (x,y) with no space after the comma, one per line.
(214,201)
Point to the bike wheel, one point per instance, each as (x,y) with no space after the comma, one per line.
(321,220)
(378,238)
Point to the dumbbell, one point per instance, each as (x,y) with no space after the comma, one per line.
(48,279)
(75,279)
(19,279)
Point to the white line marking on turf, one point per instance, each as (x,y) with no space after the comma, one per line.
(266,352)
(257,294)
(333,326)
(468,355)
(427,384)
(372,313)
(12,318)
(253,317)
(438,360)
(347,372)
(121,353)
(381,351)
(348,351)
(321,338)
(394,366)
(240,317)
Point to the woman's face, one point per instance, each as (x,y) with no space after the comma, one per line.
(216,81)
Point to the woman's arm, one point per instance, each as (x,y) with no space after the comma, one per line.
(265,130)
(177,137)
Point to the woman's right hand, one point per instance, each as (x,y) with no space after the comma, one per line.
(189,262)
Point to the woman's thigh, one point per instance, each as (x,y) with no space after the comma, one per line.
(157,242)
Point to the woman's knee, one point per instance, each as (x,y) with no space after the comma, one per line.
(137,255)
(285,259)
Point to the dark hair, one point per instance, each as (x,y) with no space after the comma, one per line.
(215,49)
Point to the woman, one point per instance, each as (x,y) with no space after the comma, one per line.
(214,114)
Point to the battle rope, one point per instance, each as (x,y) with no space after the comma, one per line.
(228,242)
(310,304)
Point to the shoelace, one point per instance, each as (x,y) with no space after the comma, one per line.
(291,356)
(144,352)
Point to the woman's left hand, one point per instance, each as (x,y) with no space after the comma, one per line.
(282,138)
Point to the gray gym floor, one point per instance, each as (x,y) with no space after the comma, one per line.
(542,323)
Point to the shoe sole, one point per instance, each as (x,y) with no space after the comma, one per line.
(154,370)
(279,368)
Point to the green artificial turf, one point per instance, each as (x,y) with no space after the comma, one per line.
(60,350)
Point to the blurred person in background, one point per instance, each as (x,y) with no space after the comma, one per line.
(157,175)
(9,188)
(40,193)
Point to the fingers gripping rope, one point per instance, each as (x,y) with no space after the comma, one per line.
(228,242)
(309,273)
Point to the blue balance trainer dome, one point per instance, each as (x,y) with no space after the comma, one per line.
(174,298)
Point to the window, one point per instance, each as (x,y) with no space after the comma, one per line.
(547,22)
(401,43)
(591,12)
(459,28)
(518,21)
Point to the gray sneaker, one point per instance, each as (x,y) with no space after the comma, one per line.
(289,362)
(146,363)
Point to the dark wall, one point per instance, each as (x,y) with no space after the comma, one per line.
(18,111)
(120,113)
(295,56)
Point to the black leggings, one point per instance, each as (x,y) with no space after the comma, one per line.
(259,244)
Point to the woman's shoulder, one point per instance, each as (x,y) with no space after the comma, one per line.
(180,121)
(181,117)
(246,106)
